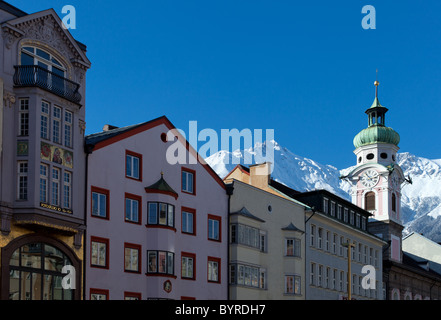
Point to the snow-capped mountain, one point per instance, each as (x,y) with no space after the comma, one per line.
(421,200)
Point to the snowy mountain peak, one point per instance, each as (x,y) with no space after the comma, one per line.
(421,200)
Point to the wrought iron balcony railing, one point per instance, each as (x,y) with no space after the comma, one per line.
(36,76)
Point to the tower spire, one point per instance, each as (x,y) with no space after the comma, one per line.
(376,83)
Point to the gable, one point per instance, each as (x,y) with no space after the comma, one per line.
(47,28)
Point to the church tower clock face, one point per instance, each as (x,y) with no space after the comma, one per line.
(369,178)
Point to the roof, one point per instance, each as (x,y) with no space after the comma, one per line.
(244,212)
(102,139)
(161,186)
(292,227)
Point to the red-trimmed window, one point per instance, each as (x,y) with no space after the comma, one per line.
(214,228)
(99,294)
(213,268)
(99,252)
(100,203)
(188,181)
(133,165)
(132,295)
(160,262)
(188,265)
(160,214)
(133,208)
(188,221)
(132,257)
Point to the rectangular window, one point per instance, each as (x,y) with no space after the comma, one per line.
(161,214)
(22,183)
(44,120)
(246,235)
(100,203)
(68,120)
(292,284)
(292,247)
(312,236)
(99,252)
(23,123)
(56,124)
(132,258)
(351,218)
(99,294)
(188,181)
(320,238)
(133,165)
(160,262)
(312,274)
(55,187)
(214,227)
(345,216)
(188,221)
(188,262)
(333,208)
(320,276)
(43,182)
(67,189)
(133,208)
(325,205)
(214,269)
(339,212)
(250,276)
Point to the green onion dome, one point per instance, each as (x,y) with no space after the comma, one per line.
(376,134)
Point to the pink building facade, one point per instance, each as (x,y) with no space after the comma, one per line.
(156,229)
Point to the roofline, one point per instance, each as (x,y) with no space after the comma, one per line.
(11,9)
(163,120)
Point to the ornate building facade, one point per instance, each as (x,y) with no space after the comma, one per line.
(377,180)
(42,159)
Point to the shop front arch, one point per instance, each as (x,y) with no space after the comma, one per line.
(32,270)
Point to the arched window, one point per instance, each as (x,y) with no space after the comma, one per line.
(369,201)
(31,56)
(394,203)
(35,273)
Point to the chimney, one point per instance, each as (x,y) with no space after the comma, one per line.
(260,175)
(108,127)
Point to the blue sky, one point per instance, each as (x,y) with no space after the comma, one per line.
(303,68)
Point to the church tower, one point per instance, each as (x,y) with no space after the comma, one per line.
(376,179)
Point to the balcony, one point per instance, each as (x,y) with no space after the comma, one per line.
(36,76)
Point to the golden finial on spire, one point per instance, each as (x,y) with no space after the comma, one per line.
(376,83)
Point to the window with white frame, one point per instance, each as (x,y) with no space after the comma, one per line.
(188,217)
(131,257)
(55,187)
(68,121)
(99,202)
(312,236)
(67,189)
(339,212)
(292,284)
(44,120)
(23,118)
(188,181)
(56,124)
(213,269)
(187,265)
(160,213)
(132,210)
(325,205)
(99,252)
(292,247)
(320,238)
(44,170)
(133,165)
(333,208)
(22,182)
(312,273)
(320,275)
(214,223)
(160,262)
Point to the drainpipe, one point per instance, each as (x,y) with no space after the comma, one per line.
(229,190)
